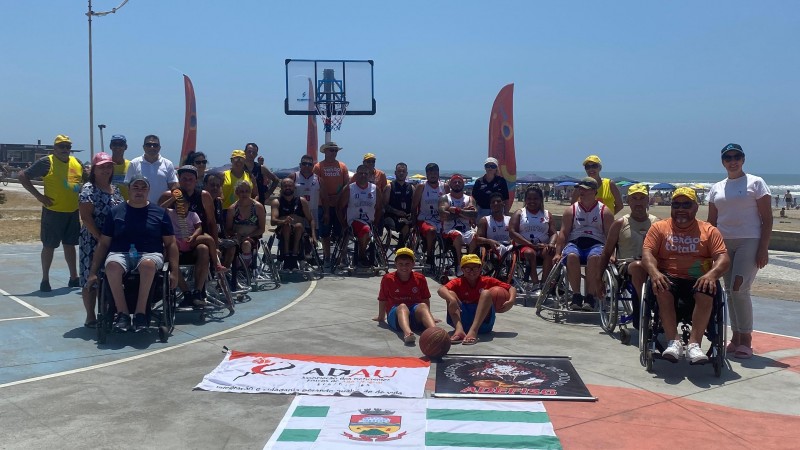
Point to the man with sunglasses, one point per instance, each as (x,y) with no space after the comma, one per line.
(684,258)
(607,191)
(307,186)
(62,175)
(376,176)
(159,171)
(118,146)
(487,185)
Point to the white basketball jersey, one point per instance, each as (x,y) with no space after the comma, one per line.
(535,227)
(429,205)
(308,188)
(498,230)
(457,223)
(588,223)
(361,205)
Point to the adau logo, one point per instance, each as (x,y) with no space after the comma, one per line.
(375,425)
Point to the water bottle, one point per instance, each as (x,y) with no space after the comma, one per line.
(133,257)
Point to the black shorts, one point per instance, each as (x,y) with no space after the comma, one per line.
(59,227)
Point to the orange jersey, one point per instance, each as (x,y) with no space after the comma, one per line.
(333,177)
(684,253)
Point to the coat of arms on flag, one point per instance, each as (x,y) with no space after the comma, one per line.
(344,423)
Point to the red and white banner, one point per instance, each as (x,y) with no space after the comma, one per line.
(318,375)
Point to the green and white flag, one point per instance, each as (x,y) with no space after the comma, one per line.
(343,423)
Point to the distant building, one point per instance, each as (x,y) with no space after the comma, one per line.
(21,155)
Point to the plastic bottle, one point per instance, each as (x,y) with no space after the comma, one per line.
(133,257)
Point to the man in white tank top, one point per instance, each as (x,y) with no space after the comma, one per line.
(458,213)
(626,236)
(425,207)
(360,206)
(307,186)
(584,227)
(493,229)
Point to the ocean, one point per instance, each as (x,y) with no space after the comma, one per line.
(778,183)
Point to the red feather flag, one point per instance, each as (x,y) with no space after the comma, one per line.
(190,125)
(501,136)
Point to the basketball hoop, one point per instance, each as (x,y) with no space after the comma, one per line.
(332,112)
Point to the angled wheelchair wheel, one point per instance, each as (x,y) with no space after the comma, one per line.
(609,309)
(381,260)
(549,295)
(646,331)
(720,327)
(105,318)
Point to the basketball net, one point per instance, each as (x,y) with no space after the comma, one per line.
(337,109)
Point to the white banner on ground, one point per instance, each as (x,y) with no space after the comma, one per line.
(357,423)
(318,375)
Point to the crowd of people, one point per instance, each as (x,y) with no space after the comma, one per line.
(147,207)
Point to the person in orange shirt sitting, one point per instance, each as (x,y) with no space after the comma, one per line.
(684,258)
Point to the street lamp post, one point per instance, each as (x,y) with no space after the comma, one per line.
(91,90)
(102,145)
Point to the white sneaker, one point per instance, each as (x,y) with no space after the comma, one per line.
(696,354)
(673,351)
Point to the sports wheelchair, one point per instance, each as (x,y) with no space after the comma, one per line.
(345,257)
(160,306)
(216,290)
(309,264)
(556,293)
(511,268)
(650,327)
(620,308)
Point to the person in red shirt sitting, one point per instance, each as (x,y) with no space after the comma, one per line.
(404,293)
(469,302)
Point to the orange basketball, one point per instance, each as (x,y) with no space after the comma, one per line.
(434,342)
(499,296)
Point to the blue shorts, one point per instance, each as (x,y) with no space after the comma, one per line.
(391,318)
(333,225)
(583,254)
(468,316)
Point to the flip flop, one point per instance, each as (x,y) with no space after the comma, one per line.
(743,352)
(90,324)
(457,340)
(410,339)
(470,341)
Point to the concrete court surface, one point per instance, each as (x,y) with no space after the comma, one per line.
(58,389)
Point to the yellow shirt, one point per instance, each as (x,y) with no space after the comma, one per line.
(229,182)
(119,178)
(605,195)
(63,184)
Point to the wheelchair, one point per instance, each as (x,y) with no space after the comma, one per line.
(391,238)
(216,290)
(619,309)
(345,254)
(240,276)
(556,293)
(650,327)
(160,306)
(512,268)
(309,265)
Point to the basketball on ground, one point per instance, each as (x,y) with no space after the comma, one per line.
(499,296)
(434,342)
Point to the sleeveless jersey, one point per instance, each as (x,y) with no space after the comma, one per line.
(258,176)
(400,196)
(195,202)
(63,183)
(631,236)
(229,181)
(429,205)
(605,195)
(587,224)
(308,188)
(290,207)
(535,227)
(457,223)
(361,205)
(498,231)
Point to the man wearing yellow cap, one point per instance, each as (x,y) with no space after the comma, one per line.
(376,176)
(159,171)
(62,175)
(232,177)
(685,258)
(469,301)
(626,236)
(405,296)
(607,191)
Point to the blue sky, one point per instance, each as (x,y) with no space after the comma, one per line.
(649,86)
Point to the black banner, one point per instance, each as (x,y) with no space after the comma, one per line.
(510,377)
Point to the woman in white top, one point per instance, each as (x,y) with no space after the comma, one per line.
(740,207)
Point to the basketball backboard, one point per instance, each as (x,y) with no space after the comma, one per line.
(333,81)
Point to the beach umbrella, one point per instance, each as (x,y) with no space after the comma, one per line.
(417,176)
(561,178)
(567,183)
(620,180)
(624,183)
(699,187)
(663,187)
(533,178)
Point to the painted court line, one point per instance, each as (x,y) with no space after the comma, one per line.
(39,312)
(155,352)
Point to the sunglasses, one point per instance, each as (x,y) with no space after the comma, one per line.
(65,146)
(202,162)
(152,145)
(118,144)
(490,166)
(591,166)
(682,205)
(733,157)
(307,164)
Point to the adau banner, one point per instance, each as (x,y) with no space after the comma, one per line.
(341,423)
(507,377)
(318,375)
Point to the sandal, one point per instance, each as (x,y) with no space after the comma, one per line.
(409,338)
(470,341)
(90,324)
(743,352)
(455,340)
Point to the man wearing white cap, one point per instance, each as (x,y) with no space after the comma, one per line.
(488,184)
(62,175)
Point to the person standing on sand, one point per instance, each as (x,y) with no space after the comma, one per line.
(739,206)
(607,191)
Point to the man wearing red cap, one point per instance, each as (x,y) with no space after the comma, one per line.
(458,213)
(62,175)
